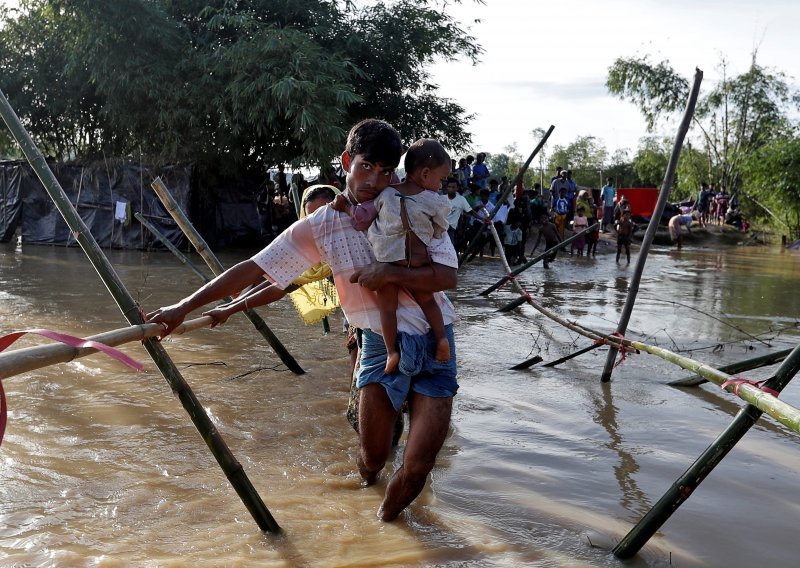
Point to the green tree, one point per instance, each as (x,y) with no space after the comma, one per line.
(737,116)
(773,181)
(586,157)
(245,84)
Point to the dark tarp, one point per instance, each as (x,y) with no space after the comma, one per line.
(98,190)
(226,212)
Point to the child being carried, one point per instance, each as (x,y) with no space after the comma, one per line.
(409,215)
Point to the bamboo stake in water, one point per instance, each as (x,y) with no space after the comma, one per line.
(132,312)
(170,247)
(699,470)
(527,265)
(216,267)
(647,240)
(500,200)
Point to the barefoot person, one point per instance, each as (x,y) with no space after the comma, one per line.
(372,152)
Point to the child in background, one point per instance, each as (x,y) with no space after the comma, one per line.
(550,233)
(409,215)
(625,229)
(561,208)
(513,243)
(592,237)
(579,223)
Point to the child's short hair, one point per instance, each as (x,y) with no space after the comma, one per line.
(425,153)
(377,140)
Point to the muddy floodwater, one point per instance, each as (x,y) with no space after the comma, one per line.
(101,466)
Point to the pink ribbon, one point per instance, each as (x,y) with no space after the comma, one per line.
(758,384)
(72,341)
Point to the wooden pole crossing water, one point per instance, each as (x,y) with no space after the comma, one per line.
(132,312)
(655,219)
(216,267)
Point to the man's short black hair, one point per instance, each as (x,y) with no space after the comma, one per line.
(425,153)
(452,180)
(377,141)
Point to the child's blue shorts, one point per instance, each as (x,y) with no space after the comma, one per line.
(418,369)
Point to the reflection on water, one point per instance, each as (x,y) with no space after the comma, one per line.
(102,466)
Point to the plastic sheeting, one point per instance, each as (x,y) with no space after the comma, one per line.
(97,190)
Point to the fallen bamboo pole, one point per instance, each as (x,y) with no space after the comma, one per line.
(652,226)
(27,359)
(170,247)
(216,267)
(527,363)
(704,465)
(746,365)
(132,312)
(504,196)
(577,353)
(527,265)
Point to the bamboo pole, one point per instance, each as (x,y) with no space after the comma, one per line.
(655,218)
(574,326)
(172,248)
(704,465)
(746,365)
(216,267)
(527,363)
(577,353)
(506,193)
(132,312)
(28,359)
(527,265)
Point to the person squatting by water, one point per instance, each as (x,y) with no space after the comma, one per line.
(408,216)
(372,152)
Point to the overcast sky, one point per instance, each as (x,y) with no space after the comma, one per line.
(545,61)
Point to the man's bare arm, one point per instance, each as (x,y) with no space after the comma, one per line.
(229,283)
(433,278)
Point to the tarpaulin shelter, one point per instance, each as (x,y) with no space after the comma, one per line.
(108,193)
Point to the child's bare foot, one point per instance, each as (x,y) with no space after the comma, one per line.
(392,360)
(443,350)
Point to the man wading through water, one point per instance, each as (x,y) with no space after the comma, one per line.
(371,154)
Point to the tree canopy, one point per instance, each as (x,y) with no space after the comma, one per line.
(244,83)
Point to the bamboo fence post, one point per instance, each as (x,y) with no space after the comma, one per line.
(172,248)
(697,472)
(216,267)
(527,265)
(27,359)
(132,312)
(506,193)
(746,365)
(633,286)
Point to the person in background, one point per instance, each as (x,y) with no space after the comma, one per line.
(459,206)
(480,171)
(579,223)
(561,209)
(512,243)
(607,196)
(549,232)
(625,229)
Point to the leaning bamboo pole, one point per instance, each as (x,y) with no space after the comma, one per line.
(28,359)
(655,219)
(520,269)
(473,244)
(216,267)
(170,247)
(132,312)
(573,326)
(703,466)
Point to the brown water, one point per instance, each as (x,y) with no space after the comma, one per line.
(101,466)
